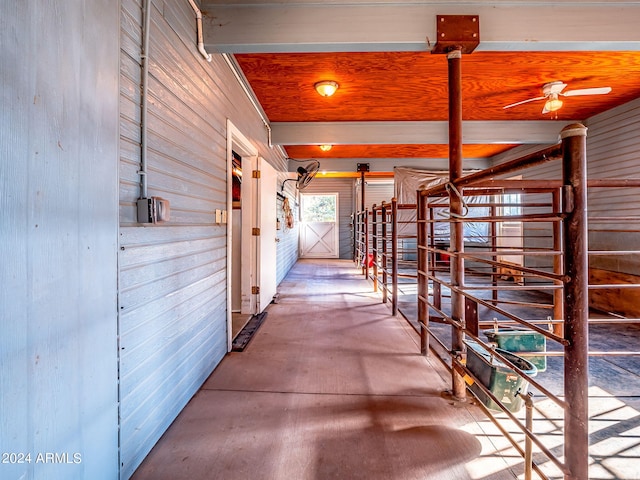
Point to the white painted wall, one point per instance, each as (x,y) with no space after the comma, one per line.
(77,269)
(613,151)
(287,250)
(173,277)
(58,237)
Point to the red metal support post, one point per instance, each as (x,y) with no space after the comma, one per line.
(374,245)
(384,251)
(423,270)
(576,308)
(456,229)
(494,246)
(394,255)
(363,169)
(558,294)
(365,260)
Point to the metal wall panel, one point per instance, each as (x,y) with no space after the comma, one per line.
(613,151)
(376,192)
(59,229)
(344,188)
(173,276)
(287,251)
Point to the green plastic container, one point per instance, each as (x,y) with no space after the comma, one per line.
(498,377)
(518,341)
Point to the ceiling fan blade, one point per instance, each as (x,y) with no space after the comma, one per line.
(524,101)
(587,91)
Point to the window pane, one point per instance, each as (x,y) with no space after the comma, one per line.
(319,208)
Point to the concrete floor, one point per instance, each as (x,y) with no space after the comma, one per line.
(331,387)
(614,388)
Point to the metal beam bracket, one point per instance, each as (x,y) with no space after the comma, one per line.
(457,32)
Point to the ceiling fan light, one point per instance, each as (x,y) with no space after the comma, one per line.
(326,88)
(553,105)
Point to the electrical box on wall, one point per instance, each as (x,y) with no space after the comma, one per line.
(221,216)
(153,210)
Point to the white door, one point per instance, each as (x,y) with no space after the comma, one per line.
(267,210)
(510,233)
(319,225)
(249,249)
(258,236)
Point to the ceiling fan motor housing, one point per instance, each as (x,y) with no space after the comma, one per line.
(553,87)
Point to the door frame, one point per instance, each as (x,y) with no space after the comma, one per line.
(239,143)
(336,222)
(515,242)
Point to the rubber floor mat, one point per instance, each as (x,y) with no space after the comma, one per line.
(246,334)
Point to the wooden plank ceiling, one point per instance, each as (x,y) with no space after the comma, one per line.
(392,100)
(412,86)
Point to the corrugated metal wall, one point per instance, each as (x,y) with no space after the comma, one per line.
(59,229)
(173,277)
(344,188)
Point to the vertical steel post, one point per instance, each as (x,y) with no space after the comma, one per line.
(528,444)
(394,255)
(354,236)
(576,309)
(384,252)
(423,269)
(365,267)
(362,202)
(558,294)
(361,239)
(365,225)
(374,245)
(456,229)
(493,229)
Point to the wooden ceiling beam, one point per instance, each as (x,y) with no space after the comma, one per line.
(299,26)
(394,133)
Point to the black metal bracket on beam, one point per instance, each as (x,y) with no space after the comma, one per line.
(457,32)
(362,167)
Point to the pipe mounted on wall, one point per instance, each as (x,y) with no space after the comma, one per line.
(201,48)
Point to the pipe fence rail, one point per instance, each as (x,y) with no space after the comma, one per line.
(520,265)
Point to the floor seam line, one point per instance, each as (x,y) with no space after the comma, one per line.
(284,392)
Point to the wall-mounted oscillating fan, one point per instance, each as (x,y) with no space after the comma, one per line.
(553,90)
(305,174)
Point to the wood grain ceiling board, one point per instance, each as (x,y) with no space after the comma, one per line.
(392,151)
(400,86)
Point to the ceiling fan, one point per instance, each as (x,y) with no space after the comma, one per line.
(553,90)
